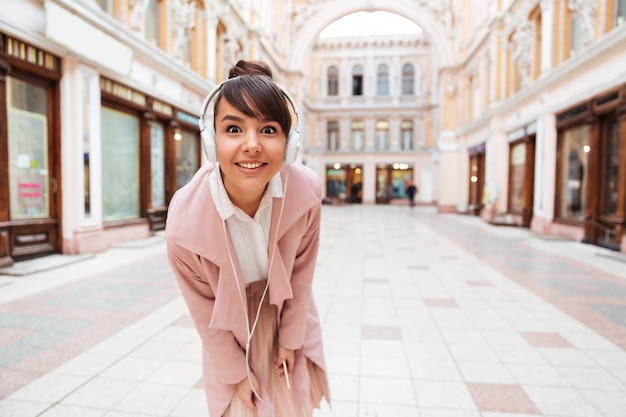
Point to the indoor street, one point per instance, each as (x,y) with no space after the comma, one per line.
(424,315)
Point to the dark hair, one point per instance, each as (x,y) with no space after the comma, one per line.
(250,90)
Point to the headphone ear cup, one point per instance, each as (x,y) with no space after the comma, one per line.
(293,146)
(208,140)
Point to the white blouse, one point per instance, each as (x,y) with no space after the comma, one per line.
(250,236)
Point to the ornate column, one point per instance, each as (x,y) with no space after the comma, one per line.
(394,134)
(345,134)
(320,135)
(370,134)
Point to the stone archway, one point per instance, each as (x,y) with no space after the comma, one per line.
(436,19)
(430,16)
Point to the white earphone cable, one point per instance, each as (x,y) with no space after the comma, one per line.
(250,330)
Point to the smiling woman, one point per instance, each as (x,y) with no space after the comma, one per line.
(247,286)
(377,23)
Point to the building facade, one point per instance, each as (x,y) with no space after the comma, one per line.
(99,103)
(540,90)
(517,111)
(371,114)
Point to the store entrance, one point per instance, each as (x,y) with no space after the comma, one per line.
(391,182)
(476,179)
(606,226)
(30,226)
(344,183)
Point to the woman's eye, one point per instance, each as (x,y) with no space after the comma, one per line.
(268,130)
(232,129)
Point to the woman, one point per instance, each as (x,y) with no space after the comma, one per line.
(242,240)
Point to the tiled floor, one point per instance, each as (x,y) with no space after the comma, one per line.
(424,315)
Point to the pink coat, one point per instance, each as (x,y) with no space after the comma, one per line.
(197,253)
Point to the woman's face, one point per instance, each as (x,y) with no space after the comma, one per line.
(250,151)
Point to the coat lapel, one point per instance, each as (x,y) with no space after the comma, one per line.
(205,236)
(298,199)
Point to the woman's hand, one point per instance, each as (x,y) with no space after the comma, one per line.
(284,355)
(245,393)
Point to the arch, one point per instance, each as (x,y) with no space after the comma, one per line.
(333,10)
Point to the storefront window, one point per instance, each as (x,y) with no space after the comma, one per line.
(383,188)
(611,168)
(186,157)
(157,164)
(573,172)
(120,165)
(336,178)
(400,174)
(356,184)
(516,177)
(28,149)
(391,181)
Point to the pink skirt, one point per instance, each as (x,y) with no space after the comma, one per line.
(278,400)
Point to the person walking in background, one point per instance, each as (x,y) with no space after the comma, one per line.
(242,240)
(411,191)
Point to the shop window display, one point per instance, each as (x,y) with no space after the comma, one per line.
(573,165)
(28,149)
(516,177)
(120,165)
(186,157)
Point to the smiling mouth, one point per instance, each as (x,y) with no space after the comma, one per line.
(250,165)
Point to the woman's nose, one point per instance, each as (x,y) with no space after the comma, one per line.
(252,143)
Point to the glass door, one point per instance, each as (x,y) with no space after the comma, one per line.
(608,187)
(29,176)
(187,157)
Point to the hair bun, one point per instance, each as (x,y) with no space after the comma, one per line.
(250,68)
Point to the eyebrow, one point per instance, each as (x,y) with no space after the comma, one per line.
(233,118)
(240,120)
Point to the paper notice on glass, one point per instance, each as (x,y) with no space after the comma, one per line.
(23,161)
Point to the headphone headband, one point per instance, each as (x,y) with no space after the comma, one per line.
(208,133)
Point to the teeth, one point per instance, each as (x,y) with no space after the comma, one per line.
(250,165)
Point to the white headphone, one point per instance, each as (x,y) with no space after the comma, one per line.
(208,132)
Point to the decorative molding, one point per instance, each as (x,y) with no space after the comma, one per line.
(585,10)
(442,11)
(523,49)
(302,13)
(183,19)
(137,13)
